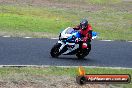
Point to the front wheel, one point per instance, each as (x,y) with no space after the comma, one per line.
(55,50)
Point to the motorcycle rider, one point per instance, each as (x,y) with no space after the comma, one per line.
(86,33)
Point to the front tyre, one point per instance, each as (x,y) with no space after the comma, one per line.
(55,50)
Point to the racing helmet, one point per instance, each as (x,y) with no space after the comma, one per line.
(83,24)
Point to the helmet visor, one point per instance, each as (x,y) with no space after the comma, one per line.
(83,26)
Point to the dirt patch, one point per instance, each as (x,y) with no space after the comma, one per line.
(47,82)
(54,4)
(78,5)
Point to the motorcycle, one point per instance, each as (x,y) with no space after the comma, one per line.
(67,44)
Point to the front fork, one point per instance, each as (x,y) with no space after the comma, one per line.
(63,47)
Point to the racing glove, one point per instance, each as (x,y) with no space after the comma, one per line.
(77,40)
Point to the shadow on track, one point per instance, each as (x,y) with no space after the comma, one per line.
(73,58)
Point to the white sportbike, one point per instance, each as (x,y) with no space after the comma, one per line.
(67,44)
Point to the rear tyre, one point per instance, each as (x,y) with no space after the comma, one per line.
(82,53)
(55,50)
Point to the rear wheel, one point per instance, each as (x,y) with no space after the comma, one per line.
(55,50)
(82,53)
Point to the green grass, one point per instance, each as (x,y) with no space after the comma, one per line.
(30,23)
(8,72)
(103,1)
(71,71)
(30,20)
(110,23)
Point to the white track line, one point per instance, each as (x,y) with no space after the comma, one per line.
(129,41)
(62,66)
(6,36)
(54,38)
(99,40)
(106,40)
(27,37)
(96,67)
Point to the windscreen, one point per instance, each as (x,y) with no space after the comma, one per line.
(70,31)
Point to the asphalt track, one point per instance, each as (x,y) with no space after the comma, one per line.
(35,51)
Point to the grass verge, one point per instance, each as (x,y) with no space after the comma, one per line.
(36,74)
(111,20)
